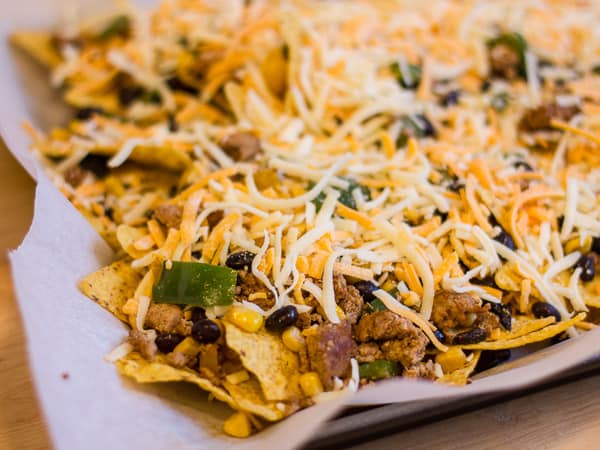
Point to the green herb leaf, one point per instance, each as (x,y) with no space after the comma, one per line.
(413,71)
(197,284)
(377,370)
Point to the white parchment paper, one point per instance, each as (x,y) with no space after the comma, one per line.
(85,402)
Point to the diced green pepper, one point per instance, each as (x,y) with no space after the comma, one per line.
(500,101)
(418,127)
(346,198)
(197,284)
(119,26)
(376,305)
(516,42)
(378,370)
(152,97)
(413,71)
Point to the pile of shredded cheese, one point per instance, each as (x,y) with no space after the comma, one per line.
(313,81)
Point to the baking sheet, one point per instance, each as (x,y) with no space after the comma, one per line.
(68,334)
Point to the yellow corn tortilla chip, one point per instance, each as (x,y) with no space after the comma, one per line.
(249,398)
(521,326)
(127,237)
(111,286)
(135,366)
(590,292)
(265,355)
(39,45)
(536,336)
(461,376)
(170,158)
(109,102)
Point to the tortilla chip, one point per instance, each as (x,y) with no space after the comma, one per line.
(39,45)
(167,157)
(109,102)
(536,336)
(461,376)
(111,286)
(249,398)
(265,355)
(143,371)
(127,237)
(521,326)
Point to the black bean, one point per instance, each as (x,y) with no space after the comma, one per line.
(128,94)
(505,239)
(485,86)
(439,334)
(522,164)
(176,84)
(504,313)
(470,337)
(240,260)
(282,318)
(88,113)
(596,245)
(587,265)
(493,221)
(543,309)
(206,331)
(492,358)
(198,314)
(166,343)
(97,164)
(366,289)
(451,98)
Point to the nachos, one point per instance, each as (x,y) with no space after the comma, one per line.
(308,197)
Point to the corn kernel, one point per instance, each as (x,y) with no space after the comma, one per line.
(340,312)
(293,339)
(575,244)
(238,425)
(452,360)
(245,318)
(130,307)
(237,377)
(188,346)
(310,331)
(311,384)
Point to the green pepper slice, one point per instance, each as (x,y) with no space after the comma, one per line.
(414,72)
(119,26)
(346,198)
(516,42)
(379,369)
(197,284)
(376,305)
